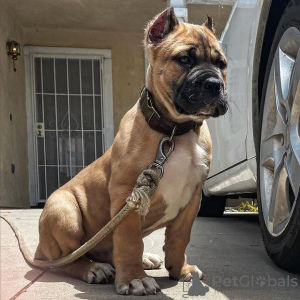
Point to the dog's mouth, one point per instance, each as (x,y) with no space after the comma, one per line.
(205,112)
(198,114)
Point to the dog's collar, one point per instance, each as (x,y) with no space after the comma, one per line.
(157,122)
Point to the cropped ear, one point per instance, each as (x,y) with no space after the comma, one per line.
(160,26)
(209,23)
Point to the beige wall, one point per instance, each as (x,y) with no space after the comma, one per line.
(13,134)
(128,80)
(197,14)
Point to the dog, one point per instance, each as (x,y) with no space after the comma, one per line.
(185,85)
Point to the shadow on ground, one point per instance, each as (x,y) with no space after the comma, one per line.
(96,291)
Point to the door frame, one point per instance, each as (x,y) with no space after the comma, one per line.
(30,52)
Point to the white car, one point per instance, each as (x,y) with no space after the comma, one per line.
(256,145)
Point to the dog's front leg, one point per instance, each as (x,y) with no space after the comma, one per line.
(177,239)
(128,252)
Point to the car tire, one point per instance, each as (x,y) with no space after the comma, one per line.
(279,159)
(212,206)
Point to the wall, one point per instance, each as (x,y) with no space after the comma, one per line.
(197,14)
(128,80)
(127,58)
(13,134)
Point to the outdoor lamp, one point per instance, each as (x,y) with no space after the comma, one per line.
(13,49)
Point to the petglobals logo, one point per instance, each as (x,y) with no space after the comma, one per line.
(194,287)
(254,281)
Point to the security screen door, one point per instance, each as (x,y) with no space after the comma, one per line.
(68,116)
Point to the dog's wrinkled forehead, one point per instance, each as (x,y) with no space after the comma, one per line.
(193,39)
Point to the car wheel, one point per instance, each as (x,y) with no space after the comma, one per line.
(279,161)
(212,206)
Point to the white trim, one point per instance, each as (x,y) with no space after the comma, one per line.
(108,105)
(181,14)
(30,111)
(212,2)
(177,3)
(66,52)
(30,52)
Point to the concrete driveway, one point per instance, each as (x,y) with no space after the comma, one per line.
(228,250)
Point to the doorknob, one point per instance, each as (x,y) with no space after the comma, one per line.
(40,129)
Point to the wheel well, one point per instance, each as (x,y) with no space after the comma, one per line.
(270,16)
(276,11)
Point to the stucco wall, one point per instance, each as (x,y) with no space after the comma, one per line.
(197,14)
(128,79)
(13,134)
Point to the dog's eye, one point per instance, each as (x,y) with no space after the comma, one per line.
(221,64)
(184,60)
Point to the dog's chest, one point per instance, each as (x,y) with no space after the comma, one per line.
(185,169)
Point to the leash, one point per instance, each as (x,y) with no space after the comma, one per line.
(139,200)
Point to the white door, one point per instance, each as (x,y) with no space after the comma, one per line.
(69,112)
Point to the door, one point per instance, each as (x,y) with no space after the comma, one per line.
(69,111)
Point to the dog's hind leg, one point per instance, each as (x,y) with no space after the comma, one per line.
(60,227)
(88,271)
(61,232)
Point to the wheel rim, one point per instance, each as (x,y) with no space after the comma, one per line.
(280,135)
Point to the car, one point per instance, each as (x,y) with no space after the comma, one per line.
(256,145)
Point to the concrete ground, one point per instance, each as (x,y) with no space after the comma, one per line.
(228,250)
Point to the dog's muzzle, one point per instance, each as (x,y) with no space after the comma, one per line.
(202,93)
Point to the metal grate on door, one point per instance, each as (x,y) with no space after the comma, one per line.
(69,118)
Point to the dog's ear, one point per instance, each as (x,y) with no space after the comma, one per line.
(209,23)
(160,26)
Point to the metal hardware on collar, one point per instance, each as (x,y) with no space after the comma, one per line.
(157,121)
(173,133)
(162,156)
(150,105)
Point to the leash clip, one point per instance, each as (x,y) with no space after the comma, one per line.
(161,155)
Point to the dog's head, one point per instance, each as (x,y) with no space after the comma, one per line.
(187,68)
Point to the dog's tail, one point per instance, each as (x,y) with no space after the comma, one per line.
(75,254)
(24,248)
(30,259)
(22,244)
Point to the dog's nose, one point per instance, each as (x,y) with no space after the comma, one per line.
(212,85)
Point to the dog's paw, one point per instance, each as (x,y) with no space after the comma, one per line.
(100,273)
(151,261)
(187,273)
(139,287)
(191,272)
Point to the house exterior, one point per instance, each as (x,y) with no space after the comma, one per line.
(81,68)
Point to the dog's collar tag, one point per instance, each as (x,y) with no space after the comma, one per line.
(157,122)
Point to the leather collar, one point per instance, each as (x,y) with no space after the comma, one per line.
(157,122)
